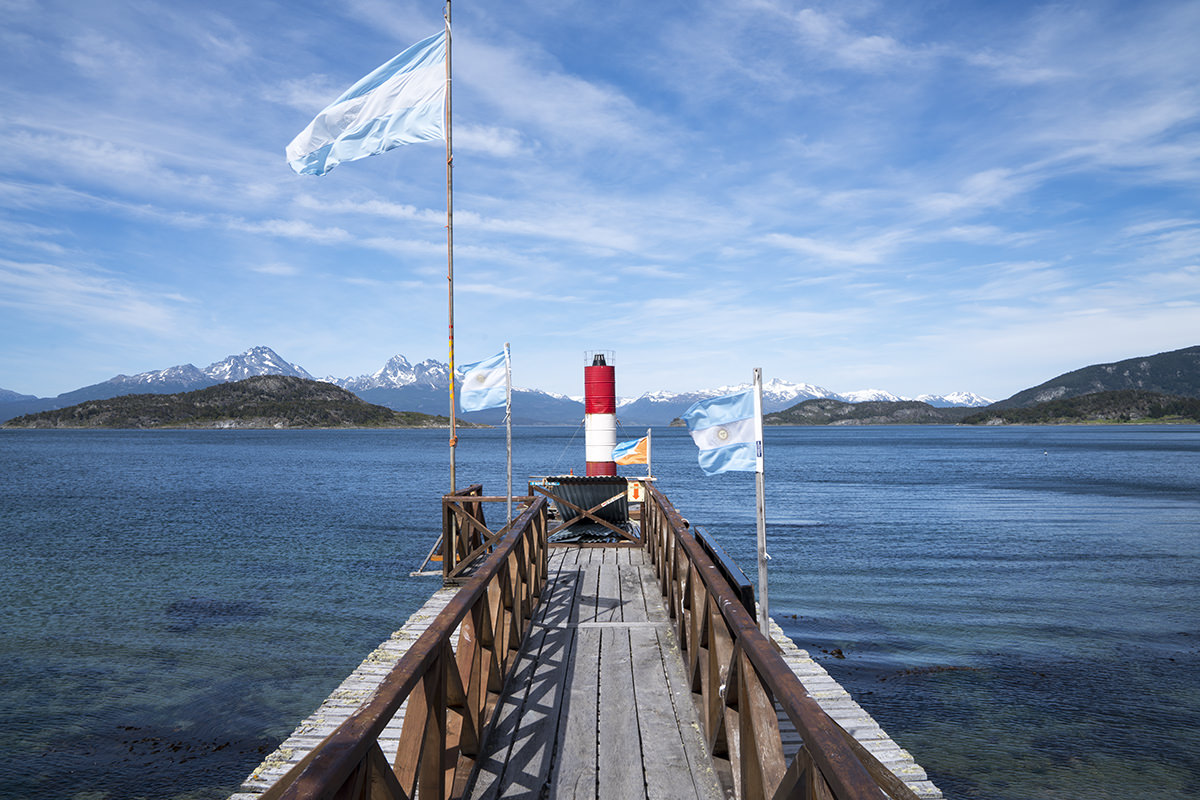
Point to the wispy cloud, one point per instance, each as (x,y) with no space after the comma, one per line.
(68,295)
(912,190)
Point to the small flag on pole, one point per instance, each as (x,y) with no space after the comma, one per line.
(484,384)
(725,430)
(401,102)
(635,452)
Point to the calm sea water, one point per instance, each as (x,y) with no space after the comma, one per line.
(1018,607)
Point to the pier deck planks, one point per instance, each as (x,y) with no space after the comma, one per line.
(600,716)
(598,704)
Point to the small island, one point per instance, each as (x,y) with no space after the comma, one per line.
(1103,408)
(265,401)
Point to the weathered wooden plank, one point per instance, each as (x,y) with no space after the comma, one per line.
(656,609)
(587,587)
(667,764)
(633,603)
(608,596)
(574,775)
(620,762)
(530,758)
(516,756)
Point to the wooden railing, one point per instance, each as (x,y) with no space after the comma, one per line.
(737,675)
(466,537)
(451,678)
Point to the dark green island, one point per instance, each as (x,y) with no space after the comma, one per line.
(265,401)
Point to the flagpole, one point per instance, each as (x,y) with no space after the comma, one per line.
(450,250)
(508,420)
(649,468)
(764,618)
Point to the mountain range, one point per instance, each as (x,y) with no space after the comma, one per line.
(422,387)
(403,386)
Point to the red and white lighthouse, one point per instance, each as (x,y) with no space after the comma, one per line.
(600,413)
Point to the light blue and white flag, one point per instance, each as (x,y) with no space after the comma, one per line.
(484,384)
(725,430)
(402,102)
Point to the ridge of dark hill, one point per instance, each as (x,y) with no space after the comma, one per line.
(1176,373)
(265,401)
(826,411)
(1122,405)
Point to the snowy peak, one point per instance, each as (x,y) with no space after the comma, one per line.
(183,374)
(968,399)
(868,396)
(775,390)
(253,362)
(397,373)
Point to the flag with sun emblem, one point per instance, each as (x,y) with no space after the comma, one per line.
(484,383)
(726,431)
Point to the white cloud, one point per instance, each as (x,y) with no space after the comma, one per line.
(291,229)
(277,269)
(68,295)
(495,141)
(866,251)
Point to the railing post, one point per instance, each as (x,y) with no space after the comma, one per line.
(736,670)
(449,695)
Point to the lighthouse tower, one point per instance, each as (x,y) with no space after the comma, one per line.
(600,412)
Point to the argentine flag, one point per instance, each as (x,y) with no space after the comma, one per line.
(402,102)
(484,384)
(724,430)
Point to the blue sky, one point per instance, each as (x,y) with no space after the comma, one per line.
(918,196)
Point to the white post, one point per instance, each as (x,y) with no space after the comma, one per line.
(764,623)
(649,471)
(508,420)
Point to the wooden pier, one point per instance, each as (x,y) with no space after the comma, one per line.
(588,672)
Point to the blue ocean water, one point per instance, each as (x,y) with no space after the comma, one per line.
(1018,607)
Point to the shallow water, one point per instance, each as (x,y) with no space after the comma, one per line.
(1016,606)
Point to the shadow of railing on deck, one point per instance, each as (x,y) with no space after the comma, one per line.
(451,685)
(737,675)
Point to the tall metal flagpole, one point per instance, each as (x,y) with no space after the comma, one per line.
(450,248)
(764,617)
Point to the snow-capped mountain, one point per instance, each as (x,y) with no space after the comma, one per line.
(169,379)
(776,392)
(398,372)
(255,361)
(967,399)
(659,408)
(404,386)
(867,396)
